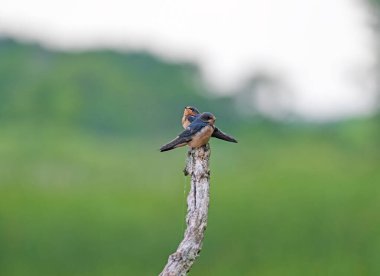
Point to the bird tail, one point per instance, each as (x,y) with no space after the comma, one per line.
(177,142)
(223,136)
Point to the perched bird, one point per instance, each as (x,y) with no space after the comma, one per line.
(191,113)
(197,134)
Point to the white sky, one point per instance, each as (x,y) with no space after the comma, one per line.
(322,50)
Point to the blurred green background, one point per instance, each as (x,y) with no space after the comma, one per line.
(85,191)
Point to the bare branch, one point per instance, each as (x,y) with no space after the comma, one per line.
(180,262)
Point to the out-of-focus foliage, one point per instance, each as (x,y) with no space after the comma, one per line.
(283,202)
(101,90)
(289,199)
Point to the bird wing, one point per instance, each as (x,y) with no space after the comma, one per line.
(192,118)
(193,128)
(177,142)
(223,136)
(185,136)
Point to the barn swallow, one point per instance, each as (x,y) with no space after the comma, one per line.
(197,134)
(191,113)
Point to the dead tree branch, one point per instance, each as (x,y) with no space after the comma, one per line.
(180,262)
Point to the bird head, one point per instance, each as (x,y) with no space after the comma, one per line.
(208,117)
(190,111)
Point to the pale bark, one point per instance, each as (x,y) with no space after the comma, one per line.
(180,262)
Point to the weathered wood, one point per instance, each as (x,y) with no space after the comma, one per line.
(197,166)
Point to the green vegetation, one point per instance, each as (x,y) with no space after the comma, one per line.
(104,91)
(84,190)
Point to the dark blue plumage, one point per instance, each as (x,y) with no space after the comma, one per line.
(190,114)
(195,135)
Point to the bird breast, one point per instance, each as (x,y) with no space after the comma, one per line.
(202,137)
(185,121)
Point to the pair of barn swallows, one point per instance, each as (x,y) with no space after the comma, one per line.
(199,128)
